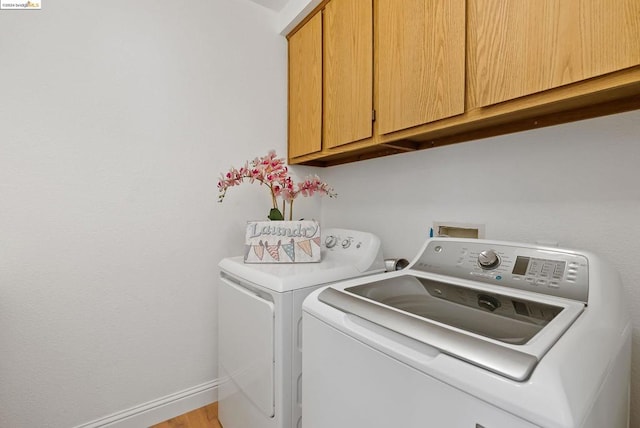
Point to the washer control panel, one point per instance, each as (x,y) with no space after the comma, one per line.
(556,272)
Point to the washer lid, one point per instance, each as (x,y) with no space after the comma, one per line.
(505,333)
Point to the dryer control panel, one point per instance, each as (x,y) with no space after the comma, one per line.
(551,271)
(360,249)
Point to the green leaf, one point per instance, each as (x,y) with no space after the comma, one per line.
(275,215)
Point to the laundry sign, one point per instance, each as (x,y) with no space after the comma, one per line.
(18,4)
(282,242)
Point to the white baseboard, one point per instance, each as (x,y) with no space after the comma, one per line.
(159,410)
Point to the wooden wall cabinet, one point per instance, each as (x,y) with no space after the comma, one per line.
(334,107)
(523,47)
(420,54)
(438,72)
(348,71)
(419,65)
(305,89)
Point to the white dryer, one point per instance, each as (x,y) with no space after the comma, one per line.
(473,334)
(260,314)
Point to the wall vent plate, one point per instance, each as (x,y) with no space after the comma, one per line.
(458,230)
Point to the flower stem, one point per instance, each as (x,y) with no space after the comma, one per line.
(273,197)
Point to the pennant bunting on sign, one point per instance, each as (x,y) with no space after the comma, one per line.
(274,250)
(306,247)
(290,249)
(259,250)
(282,242)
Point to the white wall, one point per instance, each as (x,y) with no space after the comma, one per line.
(578,184)
(116,118)
(293,12)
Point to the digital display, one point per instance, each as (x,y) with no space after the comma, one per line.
(539,268)
(520,267)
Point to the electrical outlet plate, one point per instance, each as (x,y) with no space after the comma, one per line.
(458,230)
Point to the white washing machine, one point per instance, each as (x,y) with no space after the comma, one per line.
(260,315)
(473,334)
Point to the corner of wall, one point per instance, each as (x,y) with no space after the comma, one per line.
(293,13)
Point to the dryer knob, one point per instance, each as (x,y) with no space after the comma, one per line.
(331,241)
(488,259)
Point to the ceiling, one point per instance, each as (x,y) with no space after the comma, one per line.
(275,5)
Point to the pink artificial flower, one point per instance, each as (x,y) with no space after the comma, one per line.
(274,173)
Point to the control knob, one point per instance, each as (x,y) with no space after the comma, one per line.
(331,241)
(488,259)
(487,302)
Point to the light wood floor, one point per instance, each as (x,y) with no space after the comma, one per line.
(204,417)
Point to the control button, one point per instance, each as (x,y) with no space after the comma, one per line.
(541,282)
(346,243)
(498,277)
(530,279)
(488,259)
(554,284)
(437,249)
(331,241)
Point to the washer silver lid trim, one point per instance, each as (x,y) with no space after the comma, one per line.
(501,360)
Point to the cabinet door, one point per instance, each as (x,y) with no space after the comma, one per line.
(305,89)
(421,62)
(348,71)
(518,48)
